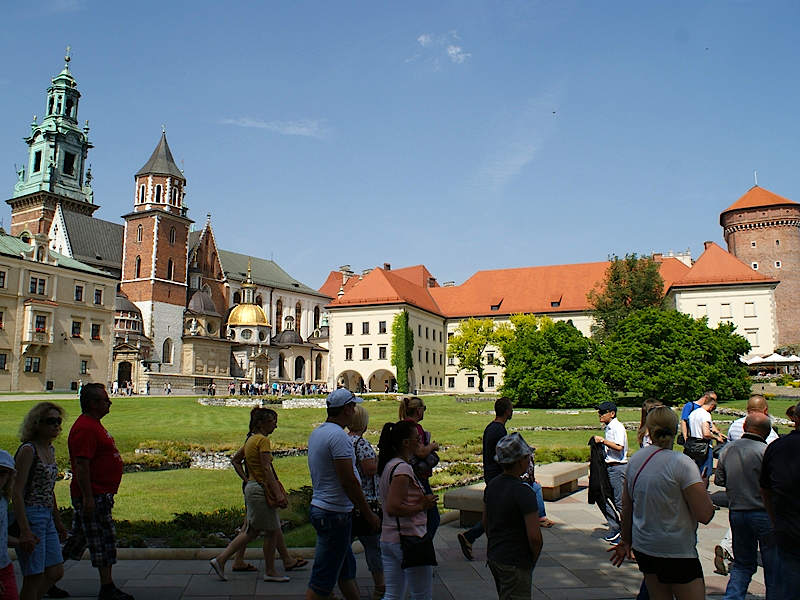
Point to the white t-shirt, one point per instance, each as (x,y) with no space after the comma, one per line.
(736,431)
(696,420)
(327,443)
(662,522)
(615,432)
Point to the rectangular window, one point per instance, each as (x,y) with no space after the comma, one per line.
(1,319)
(95,331)
(440,358)
(470,382)
(702,310)
(382,352)
(419,330)
(40,323)
(451,382)
(84,367)
(490,381)
(451,361)
(98,296)
(78,293)
(348,354)
(725,310)
(37,286)
(419,355)
(449,336)
(426,356)
(777,264)
(753,244)
(348,329)
(752,337)
(381,326)
(32,364)
(440,337)
(365,328)
(490,358)
(69,163)
(777,242)
(37,161)
(749,309)
(3,358)
(76,329)
(755,266)
(2,279)
(365,353)
(426,333)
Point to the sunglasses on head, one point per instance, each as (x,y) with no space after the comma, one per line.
(52,421)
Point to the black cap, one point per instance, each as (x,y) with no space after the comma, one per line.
(605,407)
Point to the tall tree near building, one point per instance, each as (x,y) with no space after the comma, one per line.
(630,284)
(402,350)
(469,342)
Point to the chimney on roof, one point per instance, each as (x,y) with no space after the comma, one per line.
(432,282)
(341,291)
(346,272)
(387,266)
(449,284)
(707,245)
(365,272)
(657,256)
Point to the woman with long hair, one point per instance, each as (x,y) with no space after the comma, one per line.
(642,435)
(367,466)
(405,506)
(262,482)
(663,500)
(35,509)
(412,409)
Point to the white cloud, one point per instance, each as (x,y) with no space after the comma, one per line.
(436,48)
(303,127)
(457,54)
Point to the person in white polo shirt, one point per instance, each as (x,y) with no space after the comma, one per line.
(615,446)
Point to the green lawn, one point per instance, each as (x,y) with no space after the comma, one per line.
(157,495)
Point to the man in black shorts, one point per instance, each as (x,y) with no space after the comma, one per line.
(96,475)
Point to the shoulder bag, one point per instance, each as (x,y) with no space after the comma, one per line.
(277,499)
(418,551)
(696,448)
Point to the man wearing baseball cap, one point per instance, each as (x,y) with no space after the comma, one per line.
(336,490)
(615,448)
(511,521)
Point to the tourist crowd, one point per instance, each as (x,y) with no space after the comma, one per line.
(653,500)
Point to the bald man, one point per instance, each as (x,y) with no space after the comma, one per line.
(739,472)
(755,405)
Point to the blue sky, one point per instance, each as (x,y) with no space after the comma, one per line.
(462,135)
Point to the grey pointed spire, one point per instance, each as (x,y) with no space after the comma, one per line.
(161,162)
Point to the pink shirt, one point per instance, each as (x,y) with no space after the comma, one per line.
(413,525)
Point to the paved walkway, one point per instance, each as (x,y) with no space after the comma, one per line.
(573,566)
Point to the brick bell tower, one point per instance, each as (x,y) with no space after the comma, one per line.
(154,256)
(762,230)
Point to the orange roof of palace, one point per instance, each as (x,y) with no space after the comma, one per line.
(717,266)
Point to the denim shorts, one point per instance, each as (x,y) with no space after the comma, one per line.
(333,556)
(47,552)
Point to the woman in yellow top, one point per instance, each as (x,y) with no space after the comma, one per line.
(261,482)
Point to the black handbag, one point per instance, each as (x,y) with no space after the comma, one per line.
(418,551)
(361,526)
(696,448)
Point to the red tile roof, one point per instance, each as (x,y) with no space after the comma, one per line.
(418,274)
(334,282)
(758,197)
(717,266)
(386,287)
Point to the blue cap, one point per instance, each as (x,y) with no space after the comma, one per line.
(340,397)
(605,407)
(7,461)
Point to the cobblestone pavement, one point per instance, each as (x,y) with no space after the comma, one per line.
(573,566)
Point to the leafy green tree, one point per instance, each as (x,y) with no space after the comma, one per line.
(630,284)
(469,343)
(402,349)
(671,356)
(551,364)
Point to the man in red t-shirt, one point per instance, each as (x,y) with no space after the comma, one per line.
(96,473)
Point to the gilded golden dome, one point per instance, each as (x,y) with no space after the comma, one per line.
(247,314)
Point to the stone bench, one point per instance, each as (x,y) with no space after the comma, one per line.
(557,480)
(560,478)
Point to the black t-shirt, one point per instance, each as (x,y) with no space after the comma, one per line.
(493,433)
(508,500)
(780,473)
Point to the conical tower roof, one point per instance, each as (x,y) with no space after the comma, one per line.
(161,162)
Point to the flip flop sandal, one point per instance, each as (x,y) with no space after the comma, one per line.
(247,567)
(276,578)
(299,563)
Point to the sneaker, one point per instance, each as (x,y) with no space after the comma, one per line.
(719,560)
(114,594)
(466,546)
(613,539)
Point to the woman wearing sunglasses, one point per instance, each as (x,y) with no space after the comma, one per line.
(35,508)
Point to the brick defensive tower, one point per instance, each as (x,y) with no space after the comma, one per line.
(762,230)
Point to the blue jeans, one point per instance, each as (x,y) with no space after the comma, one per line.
(333,556)
(789,575)
(47,552)
(752,529)
(372,552)
(417,580)
(434,518)
(616,475)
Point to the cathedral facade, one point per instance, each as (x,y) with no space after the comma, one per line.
(187,313)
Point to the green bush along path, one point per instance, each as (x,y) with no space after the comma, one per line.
(158,495)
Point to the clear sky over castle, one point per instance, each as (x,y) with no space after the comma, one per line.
(461,135)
